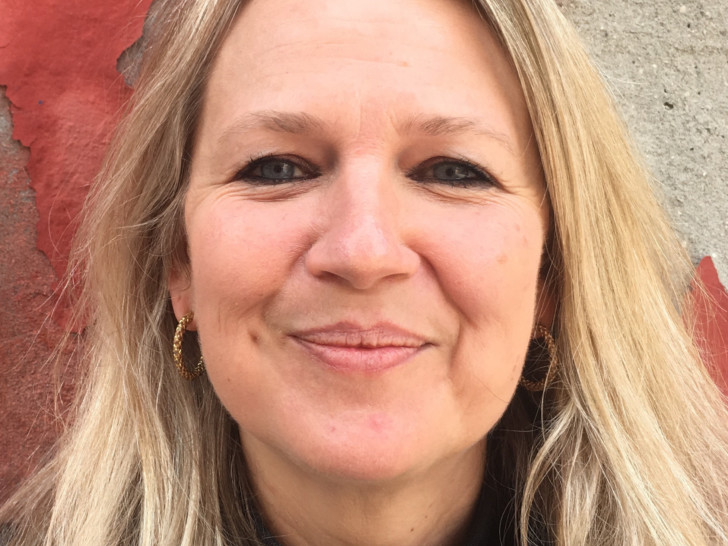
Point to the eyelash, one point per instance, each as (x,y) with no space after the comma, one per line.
(246,173)
(481,179)
(476,175)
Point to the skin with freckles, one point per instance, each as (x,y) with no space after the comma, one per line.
(365,221)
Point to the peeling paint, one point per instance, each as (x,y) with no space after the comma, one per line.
(59,67)
(27,338)
(711,312)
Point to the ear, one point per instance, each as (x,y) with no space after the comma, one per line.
(545,304)
(181,293)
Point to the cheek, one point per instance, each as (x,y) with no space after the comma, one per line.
(488,263)
(241,254)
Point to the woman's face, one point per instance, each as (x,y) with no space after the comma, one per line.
(365,222)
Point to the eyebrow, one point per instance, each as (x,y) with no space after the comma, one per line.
(279,122)
(436,126)
(297,123)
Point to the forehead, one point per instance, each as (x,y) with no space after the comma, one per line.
(380,62)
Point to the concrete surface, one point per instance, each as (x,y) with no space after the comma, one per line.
(27,429)
(667,63)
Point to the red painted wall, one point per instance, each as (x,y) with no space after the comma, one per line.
(58,67)
(711,311)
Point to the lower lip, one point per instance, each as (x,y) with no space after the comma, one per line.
(358,359)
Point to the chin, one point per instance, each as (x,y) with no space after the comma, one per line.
(377,439)
(379,456)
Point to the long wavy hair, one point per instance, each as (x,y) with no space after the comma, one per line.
(629,444)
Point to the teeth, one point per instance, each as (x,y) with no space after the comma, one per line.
(367,340)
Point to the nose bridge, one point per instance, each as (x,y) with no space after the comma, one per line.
(363,211)
(362,240)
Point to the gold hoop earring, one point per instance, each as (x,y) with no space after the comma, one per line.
(177,350)
(541,332)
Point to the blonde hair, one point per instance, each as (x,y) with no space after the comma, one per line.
(630,445)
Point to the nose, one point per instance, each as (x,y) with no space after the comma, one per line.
(361,240)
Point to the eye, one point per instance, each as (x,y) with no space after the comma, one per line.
(276,170)
(453,172)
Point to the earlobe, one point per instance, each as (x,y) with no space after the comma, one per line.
(180,293)
(545,305)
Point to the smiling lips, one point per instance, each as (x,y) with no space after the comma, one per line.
(347,347)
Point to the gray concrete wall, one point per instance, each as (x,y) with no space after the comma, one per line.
(667,64)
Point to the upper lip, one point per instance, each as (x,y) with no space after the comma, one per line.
(349,334)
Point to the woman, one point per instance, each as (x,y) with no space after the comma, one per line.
(369,216)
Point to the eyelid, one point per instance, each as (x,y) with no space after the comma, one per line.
(242,173)
(486,179)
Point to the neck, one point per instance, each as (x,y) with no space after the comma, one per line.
(433,507)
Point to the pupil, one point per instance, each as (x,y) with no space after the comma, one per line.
(277,170)
(450,171)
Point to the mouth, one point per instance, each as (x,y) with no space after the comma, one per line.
(347,347)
